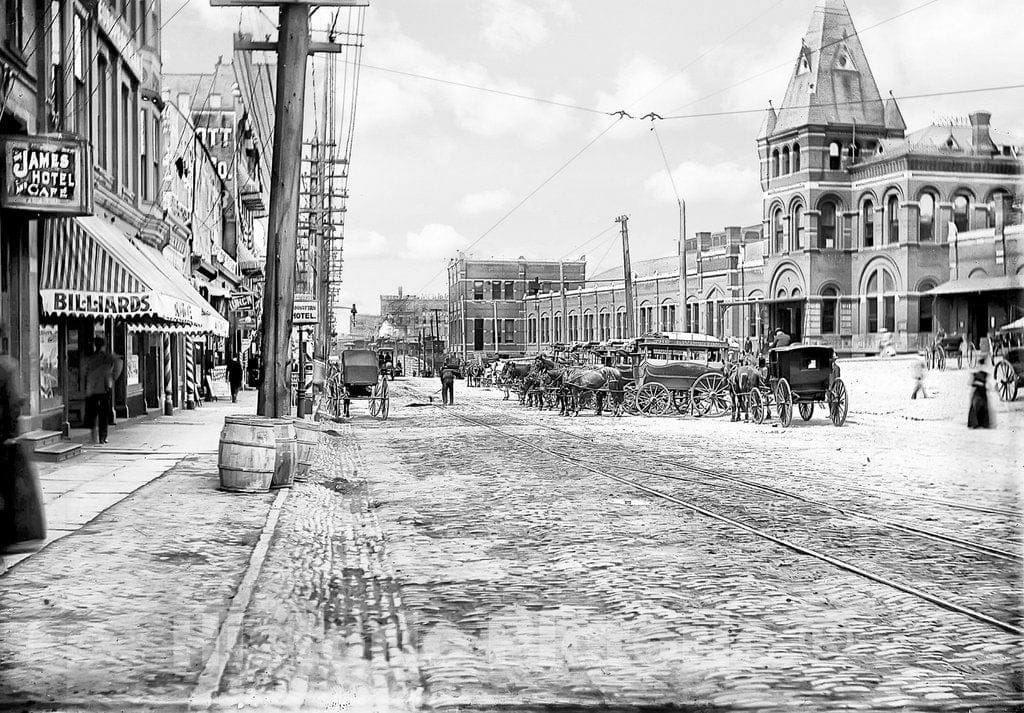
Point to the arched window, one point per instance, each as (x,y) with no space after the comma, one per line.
(881,303)
(588,326)
(797,226)
(867,223)
(962,213)
(558,327)
(668,317)
(925,309)
(834,157)
(775,163)
(604,326)
(827,225)
(926,219)
(620,323)
(892,217)
(545,329)
(777,230)
(785,159)
(829,309)
(531,329)
(796,157)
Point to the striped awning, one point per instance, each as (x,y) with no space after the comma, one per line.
(90,269)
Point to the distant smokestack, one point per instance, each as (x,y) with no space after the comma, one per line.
(980,136)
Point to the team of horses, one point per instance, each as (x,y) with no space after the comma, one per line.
(543,383)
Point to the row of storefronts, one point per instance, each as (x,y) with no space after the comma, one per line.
(115,220)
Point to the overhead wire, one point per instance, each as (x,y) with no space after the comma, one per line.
(586,242)
(532,193)
(904,97)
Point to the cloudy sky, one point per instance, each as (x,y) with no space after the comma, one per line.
(436,166)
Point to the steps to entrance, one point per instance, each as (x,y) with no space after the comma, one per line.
(57,452)
(48,446)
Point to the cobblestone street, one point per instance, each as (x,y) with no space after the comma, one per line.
(487,557)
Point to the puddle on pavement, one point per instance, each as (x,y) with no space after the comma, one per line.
(340,485)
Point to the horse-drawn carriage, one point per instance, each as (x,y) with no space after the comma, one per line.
(679,370)
(1009,364)
(953,347)
(361,375)
(800,375)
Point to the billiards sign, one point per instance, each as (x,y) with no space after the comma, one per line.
(46,174)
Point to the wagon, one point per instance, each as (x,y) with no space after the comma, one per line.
(679,370)
(800,375)
(363,378)
(948,349)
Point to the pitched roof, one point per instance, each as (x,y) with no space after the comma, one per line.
(948,139)
(832,81)
(641,268)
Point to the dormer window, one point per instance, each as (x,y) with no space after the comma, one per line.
(805,66)
(844,61)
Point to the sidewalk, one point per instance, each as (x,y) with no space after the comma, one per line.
(139,451)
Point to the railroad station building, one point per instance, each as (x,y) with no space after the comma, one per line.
(866,229)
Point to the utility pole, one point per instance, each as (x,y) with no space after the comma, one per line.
(627,270)
(565,307)
(293,46)
(279,292)
(684,295)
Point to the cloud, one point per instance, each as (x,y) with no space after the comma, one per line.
(366,244)
(395,100)
(433,242)
(514,26)
(700,183)
(485,201)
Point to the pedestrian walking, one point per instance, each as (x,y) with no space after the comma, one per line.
(917,369)
(234,377)
(101,370)
(978,416)
(447,385)
(22,523)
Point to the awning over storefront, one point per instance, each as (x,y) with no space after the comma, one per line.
(89,269)
(1015,326)
(975,285)
(210,321)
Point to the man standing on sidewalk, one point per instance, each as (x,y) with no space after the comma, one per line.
(101,369)
(234,377)
(447,385)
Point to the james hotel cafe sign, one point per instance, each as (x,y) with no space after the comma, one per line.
(46,175)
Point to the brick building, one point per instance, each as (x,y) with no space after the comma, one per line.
(486,306)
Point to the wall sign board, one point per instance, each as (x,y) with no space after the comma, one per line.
(46,175)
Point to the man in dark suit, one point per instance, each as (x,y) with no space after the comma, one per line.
(447,385)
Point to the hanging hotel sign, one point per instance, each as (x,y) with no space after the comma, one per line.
(46,175)
(305,311)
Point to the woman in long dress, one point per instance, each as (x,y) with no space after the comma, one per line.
(978,416)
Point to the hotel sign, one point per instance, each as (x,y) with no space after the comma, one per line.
(46,175)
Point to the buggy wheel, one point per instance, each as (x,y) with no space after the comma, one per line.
(653,399)
(838,402)
(806,409)
(374,404)
(940,359)
(972,356)
(629,399)
(681,401)
(1006,381)
(710,395)
(758,406)
(784,403)
(385,407)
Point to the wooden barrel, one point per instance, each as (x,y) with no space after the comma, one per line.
(307,436)
(248,454)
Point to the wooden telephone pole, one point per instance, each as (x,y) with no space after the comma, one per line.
(293,46)
(627,270)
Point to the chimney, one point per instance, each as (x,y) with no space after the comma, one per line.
(980,138)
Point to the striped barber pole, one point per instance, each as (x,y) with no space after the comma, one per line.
(168,393)
(190,373)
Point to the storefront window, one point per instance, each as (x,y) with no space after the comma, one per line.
(49,363)
(131,361)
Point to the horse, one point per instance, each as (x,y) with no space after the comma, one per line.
(742,378)
(576,384)
(474,372)
(512,376)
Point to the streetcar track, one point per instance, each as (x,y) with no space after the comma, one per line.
(800,549)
